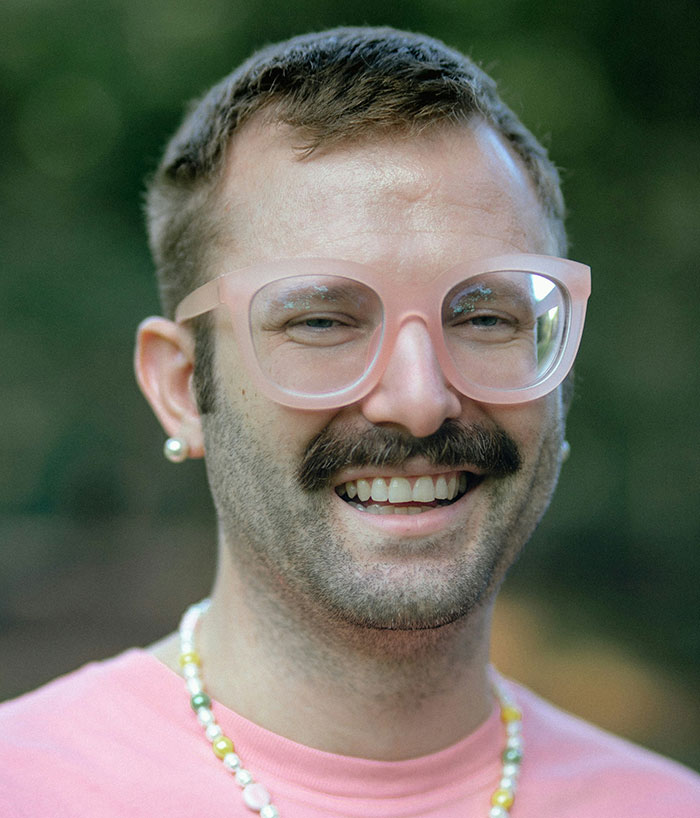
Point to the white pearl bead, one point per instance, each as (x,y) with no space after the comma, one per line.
(507,783)
(513,728)
(190,671)
(231,762)
(269,811)
(511,770)
(187,630)
(256,796)
(243,777)
(213,731)
(194,686)
(498,812)
(205,717)
(189,620)
(514,743)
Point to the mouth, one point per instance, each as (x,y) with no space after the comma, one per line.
(398,494)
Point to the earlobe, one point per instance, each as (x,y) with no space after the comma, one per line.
(164,365)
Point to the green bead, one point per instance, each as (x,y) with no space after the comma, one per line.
(511,755)
(200,700)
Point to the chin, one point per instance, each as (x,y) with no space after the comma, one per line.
(420,596)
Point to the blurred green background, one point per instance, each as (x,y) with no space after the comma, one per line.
(102,543)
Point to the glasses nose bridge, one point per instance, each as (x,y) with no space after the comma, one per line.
(412,389)
(404,304)
(409,307)
(413,343)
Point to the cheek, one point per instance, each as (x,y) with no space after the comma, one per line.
(283,432)
(532,425)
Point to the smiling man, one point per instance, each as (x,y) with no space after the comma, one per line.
(369,329)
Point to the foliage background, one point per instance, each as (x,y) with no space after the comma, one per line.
(102,543)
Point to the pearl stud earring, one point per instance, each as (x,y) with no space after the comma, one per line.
(565,451)
(176,449)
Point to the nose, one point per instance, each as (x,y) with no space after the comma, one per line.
(412,392)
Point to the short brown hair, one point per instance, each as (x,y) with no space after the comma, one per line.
(332,87)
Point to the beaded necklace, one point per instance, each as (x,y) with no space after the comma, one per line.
(257,798)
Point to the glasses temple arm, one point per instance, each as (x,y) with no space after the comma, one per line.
(201,300)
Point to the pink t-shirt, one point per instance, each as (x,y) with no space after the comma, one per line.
(118,739)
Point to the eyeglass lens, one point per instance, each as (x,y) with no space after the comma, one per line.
(504,330)
(315,335)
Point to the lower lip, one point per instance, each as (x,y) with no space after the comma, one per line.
(413,525)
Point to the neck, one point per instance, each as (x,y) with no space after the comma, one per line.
(380,694)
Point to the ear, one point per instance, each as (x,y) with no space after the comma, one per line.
(164,364)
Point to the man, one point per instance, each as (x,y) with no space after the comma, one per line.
(369,326)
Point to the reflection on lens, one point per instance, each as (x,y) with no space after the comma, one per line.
(314,335)
(504,330)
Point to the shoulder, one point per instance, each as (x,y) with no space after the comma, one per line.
(571,762)
(66,748)
(92,691)
(67,712)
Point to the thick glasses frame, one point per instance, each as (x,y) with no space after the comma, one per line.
(401,304)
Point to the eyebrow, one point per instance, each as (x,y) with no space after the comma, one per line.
(480,291)
(292,296)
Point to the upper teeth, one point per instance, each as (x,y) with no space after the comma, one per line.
(422,489)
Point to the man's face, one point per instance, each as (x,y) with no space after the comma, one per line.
(411,207)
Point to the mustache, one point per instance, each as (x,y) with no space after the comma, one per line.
(491,450)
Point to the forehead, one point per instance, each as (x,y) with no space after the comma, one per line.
(425,201)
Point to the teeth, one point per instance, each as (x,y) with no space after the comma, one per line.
(380,491)
(441,488)
(452,487)
(425,489)
(363,490)
(375,509)
(400,490)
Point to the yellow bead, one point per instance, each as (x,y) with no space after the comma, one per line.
(502,798)
(510,713)
(222,746)
(191,658)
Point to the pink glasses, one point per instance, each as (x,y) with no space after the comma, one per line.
(319,333)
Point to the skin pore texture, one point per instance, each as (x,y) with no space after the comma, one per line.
(358,633)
